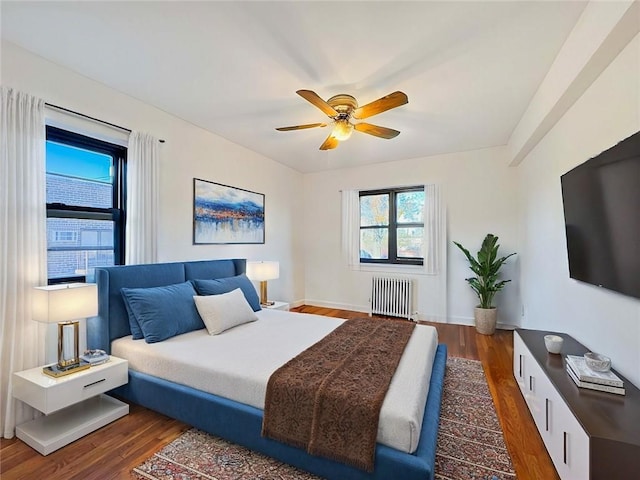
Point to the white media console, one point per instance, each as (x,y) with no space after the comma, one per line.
(589,435)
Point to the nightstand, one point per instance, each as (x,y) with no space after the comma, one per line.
(73,405)
(278,306)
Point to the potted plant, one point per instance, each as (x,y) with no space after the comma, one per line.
(486,284)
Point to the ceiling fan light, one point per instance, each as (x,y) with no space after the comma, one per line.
(342,130)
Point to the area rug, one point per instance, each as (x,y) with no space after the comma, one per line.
(470,443)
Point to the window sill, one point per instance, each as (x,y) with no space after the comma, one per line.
(391,268)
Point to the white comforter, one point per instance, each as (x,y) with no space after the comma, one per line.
(238,363)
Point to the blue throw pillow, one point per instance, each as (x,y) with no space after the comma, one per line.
(228,284)
(164,312)
(134,326)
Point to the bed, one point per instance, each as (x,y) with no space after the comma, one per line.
(239,418)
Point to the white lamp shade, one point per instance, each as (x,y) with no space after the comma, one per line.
(59,303)
(262,271)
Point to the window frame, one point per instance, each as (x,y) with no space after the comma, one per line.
(117,213)
(392,227)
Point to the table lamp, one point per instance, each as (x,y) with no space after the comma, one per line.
(261,272)
(65,304)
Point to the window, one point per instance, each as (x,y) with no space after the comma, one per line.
(85,205)
(65,237)
(392,226)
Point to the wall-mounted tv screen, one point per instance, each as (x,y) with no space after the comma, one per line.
(601,200)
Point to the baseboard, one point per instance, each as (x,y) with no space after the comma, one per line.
(462,321)
(431,318)
(296,303)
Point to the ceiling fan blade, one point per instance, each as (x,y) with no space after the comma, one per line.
(383,104)
(375,130)
(301,127)
(329,143)
(313,98)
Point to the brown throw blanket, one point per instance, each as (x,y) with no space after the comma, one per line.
(327,400)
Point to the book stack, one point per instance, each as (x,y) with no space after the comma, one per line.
(584,377)
(95,357)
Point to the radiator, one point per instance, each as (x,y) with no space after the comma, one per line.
(391,296)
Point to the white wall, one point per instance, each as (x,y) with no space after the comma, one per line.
(478,190)
(189,152)
(603,321)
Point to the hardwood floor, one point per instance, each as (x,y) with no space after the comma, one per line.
(111,452)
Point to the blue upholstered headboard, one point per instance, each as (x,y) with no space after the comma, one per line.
(112,321)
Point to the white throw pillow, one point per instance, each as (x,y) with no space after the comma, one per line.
(224,311)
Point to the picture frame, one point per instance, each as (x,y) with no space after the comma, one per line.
(223,214)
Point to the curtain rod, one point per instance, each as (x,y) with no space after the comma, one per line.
(57,107)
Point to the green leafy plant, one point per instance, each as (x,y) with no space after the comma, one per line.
(486,267)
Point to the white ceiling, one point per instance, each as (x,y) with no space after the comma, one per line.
(468,68)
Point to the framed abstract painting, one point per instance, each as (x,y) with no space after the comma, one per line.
(224,214)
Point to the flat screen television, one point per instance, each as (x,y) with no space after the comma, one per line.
(601,201)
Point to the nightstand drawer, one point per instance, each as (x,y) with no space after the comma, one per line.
(48,394)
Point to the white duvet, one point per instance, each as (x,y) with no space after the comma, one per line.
(238,363)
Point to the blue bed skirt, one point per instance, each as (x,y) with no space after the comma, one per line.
(242,424)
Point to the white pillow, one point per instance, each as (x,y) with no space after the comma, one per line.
(224,311)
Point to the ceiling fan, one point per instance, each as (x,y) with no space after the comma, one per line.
(342,108)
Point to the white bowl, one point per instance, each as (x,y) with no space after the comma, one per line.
(553,343)
(597,362)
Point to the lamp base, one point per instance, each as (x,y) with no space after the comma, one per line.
(268,303)
(56,370)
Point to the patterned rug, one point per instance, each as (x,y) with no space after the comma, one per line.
(470,443)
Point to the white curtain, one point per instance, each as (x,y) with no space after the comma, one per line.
(351,227)
(22,244)
(434,229)
(141,243)
(435,262)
